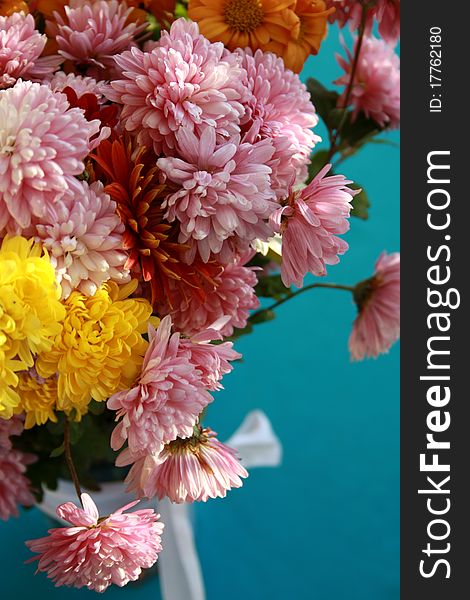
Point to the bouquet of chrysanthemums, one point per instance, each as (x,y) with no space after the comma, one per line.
(157,177)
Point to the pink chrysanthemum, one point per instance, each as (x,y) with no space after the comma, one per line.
(91,33)
(188,470)
(184,82)
(224,193)
(42,143)
(385,12)
(168,397)
(377,325)
(233,296)
(20,49)
(14,486)
(80,85)
(376,88)
(85,239)
(309,223)
(212,360)
(279,109)
(96,553)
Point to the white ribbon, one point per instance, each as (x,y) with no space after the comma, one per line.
(179,566)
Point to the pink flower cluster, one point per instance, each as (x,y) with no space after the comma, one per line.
(233,128)
(162,410)
(14,486)
(376,86)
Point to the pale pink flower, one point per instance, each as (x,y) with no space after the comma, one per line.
(188,470)
(14,486)
(385,12)
(183,82)
(212,360)
(84,239)
(42,143)
(21,46)
(91,33)
(232,296)
(309,223)
(166,400)
(96,553)
(79,84)
(376,88)
(377,325)
(224,194)
(279,109)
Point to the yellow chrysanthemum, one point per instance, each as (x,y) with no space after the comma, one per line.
(30,312)
(100,349)
(38,398)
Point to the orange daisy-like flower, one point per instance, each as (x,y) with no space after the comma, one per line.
(313,16)
(8,7)
(132,179)
(264,24)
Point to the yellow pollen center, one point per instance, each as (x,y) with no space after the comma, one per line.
(243,15)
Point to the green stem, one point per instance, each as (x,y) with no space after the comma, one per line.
(334,286)
(69,460)
(334,140)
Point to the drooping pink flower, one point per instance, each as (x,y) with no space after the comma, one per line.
(95,553)
(92,32)
(21,46)
(167,399)
(84,240)
(183,82)
(188,470)
(385,12)
(42,143)
(233,296)
(376,88)
(280,110)
(377,325)
(14,486)
(310,223)
(224,194)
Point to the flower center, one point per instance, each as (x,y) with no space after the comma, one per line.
(7,145)
(243,15)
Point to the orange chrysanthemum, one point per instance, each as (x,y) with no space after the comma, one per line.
(313,16)
(292,29)
(132,179)
(162,10)
(264,24)
(8,7)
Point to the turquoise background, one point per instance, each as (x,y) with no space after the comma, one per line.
(324,525)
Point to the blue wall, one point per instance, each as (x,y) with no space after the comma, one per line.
(325,525)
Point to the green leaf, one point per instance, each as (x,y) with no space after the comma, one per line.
(355,134)
(57,452)
(324,100)
(317,162)
(360,203)
(271,286)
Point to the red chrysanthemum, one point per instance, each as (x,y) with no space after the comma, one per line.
(133,181)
